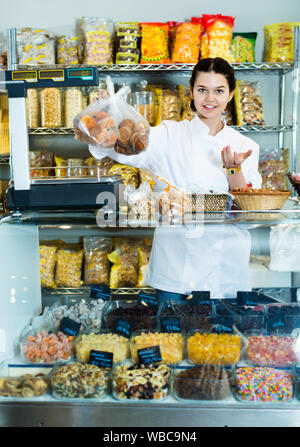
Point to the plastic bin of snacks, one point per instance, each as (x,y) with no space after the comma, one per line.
(187,315)
(171,344)
(210,348)
(260,384)
(79,381)
(105,341)
(137,315)
(262,349)
(136,382)
(287,314)
(46,347)
(87,312)
(202,382)
(245,318)
(19,380)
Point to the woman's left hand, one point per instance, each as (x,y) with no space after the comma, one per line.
(233,160)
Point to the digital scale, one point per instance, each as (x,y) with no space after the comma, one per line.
(25,193)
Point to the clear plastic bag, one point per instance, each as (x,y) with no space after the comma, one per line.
(248,103)
(112,122)
(98,45)
(273,167)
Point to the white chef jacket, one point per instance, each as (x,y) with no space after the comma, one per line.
(212,257)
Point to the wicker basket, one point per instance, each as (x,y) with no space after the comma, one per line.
(260,201)
(294,183)
(208,202)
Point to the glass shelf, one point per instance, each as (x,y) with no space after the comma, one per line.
(289,214)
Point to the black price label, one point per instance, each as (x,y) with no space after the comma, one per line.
(100,292)
(69,327)
(223,325)
(170,324)
(247,298)
(123,328)
(200,298)
(149,355)
(101,358)
(275,322)
(148,299)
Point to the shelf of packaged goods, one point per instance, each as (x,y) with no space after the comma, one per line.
(246,128)
(254,66)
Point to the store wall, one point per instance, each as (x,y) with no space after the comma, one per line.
(61,15)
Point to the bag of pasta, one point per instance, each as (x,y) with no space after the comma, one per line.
(96,263)
(69,266)
(279,42)
(140,202)
(144,256)
(47,264)
(125,259)
(112,122)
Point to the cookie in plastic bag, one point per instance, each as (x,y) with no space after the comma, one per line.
(112,122)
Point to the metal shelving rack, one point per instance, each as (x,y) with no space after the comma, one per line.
(169,413)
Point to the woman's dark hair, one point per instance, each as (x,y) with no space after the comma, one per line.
(216,65)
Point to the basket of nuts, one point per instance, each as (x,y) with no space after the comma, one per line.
(260,199)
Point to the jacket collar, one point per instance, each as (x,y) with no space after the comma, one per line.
(198,126)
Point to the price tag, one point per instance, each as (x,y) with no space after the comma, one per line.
(247,298)
(101,358)
(200,298)
(275,322)
(122,327)
(69,327)
(149,355)
(223,324)
(148,299)
(170,324)
(100,292)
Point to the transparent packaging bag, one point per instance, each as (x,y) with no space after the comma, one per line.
(112,122)
(273,167)
(98,45)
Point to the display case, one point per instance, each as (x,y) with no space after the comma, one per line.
(173,403)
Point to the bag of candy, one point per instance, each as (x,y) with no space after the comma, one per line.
(112,122)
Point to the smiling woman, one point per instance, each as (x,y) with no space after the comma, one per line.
(209,155)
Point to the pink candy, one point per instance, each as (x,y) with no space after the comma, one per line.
(271,350)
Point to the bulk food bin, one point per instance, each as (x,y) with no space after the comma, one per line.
(211,348)
(263,384)
(137,315)
(263,349)
(19,381)
(75,381)
(105,341)
(171,344)
(187,315)
(134,382)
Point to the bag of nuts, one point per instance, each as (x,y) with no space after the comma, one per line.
(112,122)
